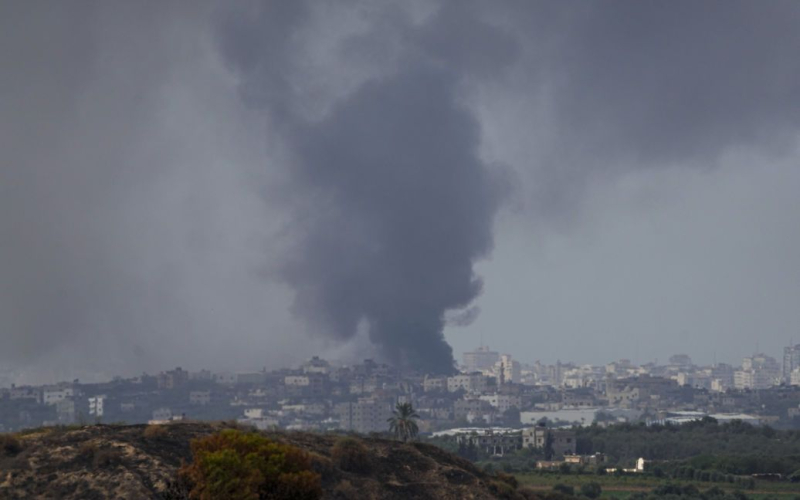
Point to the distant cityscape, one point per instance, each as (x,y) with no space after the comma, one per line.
(491,390)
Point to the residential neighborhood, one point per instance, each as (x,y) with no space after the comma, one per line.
(491,391)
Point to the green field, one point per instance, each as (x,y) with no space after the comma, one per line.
(624,486)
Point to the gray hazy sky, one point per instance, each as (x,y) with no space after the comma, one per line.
(244,184)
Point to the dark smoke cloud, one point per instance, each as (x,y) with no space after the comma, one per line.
(157,159)
(463,318)
(130,236)
(400,202)
(677,81)
(404,208)
(634,85)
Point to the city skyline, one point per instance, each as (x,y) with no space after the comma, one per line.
(787,360)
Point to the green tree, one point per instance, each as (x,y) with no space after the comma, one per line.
(591,490)
(403,422)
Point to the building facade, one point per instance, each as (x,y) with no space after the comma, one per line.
(561,441)
(480,359)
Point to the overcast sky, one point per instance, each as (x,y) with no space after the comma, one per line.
(235,185)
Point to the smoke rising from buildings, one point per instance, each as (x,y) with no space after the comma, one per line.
(176,177)
(399,202)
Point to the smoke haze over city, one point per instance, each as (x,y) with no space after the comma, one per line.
(246,184)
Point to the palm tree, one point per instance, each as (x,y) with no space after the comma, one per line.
(403,424)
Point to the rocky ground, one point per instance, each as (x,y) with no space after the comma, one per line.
(137,462)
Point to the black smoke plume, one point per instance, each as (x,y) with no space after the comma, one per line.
(398,203)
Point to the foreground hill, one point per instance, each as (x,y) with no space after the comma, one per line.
(133,462)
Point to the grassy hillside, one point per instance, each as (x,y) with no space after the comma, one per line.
(133,462)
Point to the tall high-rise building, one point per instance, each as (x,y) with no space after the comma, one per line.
(507,370)
(680,360)
(791,360)
(758,372)
(480,359)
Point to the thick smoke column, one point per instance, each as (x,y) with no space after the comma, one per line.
(405,207)
(400,203)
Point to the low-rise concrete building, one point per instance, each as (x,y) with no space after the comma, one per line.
(54,395)
(502,402)
(492,441)
(200,398)
(364,416)
(469,382)
(561,442)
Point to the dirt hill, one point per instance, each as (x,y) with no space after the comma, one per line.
(133,462)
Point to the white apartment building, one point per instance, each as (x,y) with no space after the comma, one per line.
(480,359)
(502,402)
(53,396)
(366,415)
(794,376)
(758,372)
(434,384)
(508,370)
(96,404)
(470,382)
(719,385)
(791,360)
(752,379)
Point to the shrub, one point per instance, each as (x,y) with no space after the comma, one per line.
(565,489)
(176,490)
(508,479)
(247,466)
(86,450)
(738,495)
(107,457)
(351,456)
(347,491)
(529,493)
(155,432)
(9,445)
(591,490)
(501,489)
(89,452)
(690,490)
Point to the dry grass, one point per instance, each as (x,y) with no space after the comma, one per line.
(155,431)
(346,491)
(351,456)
